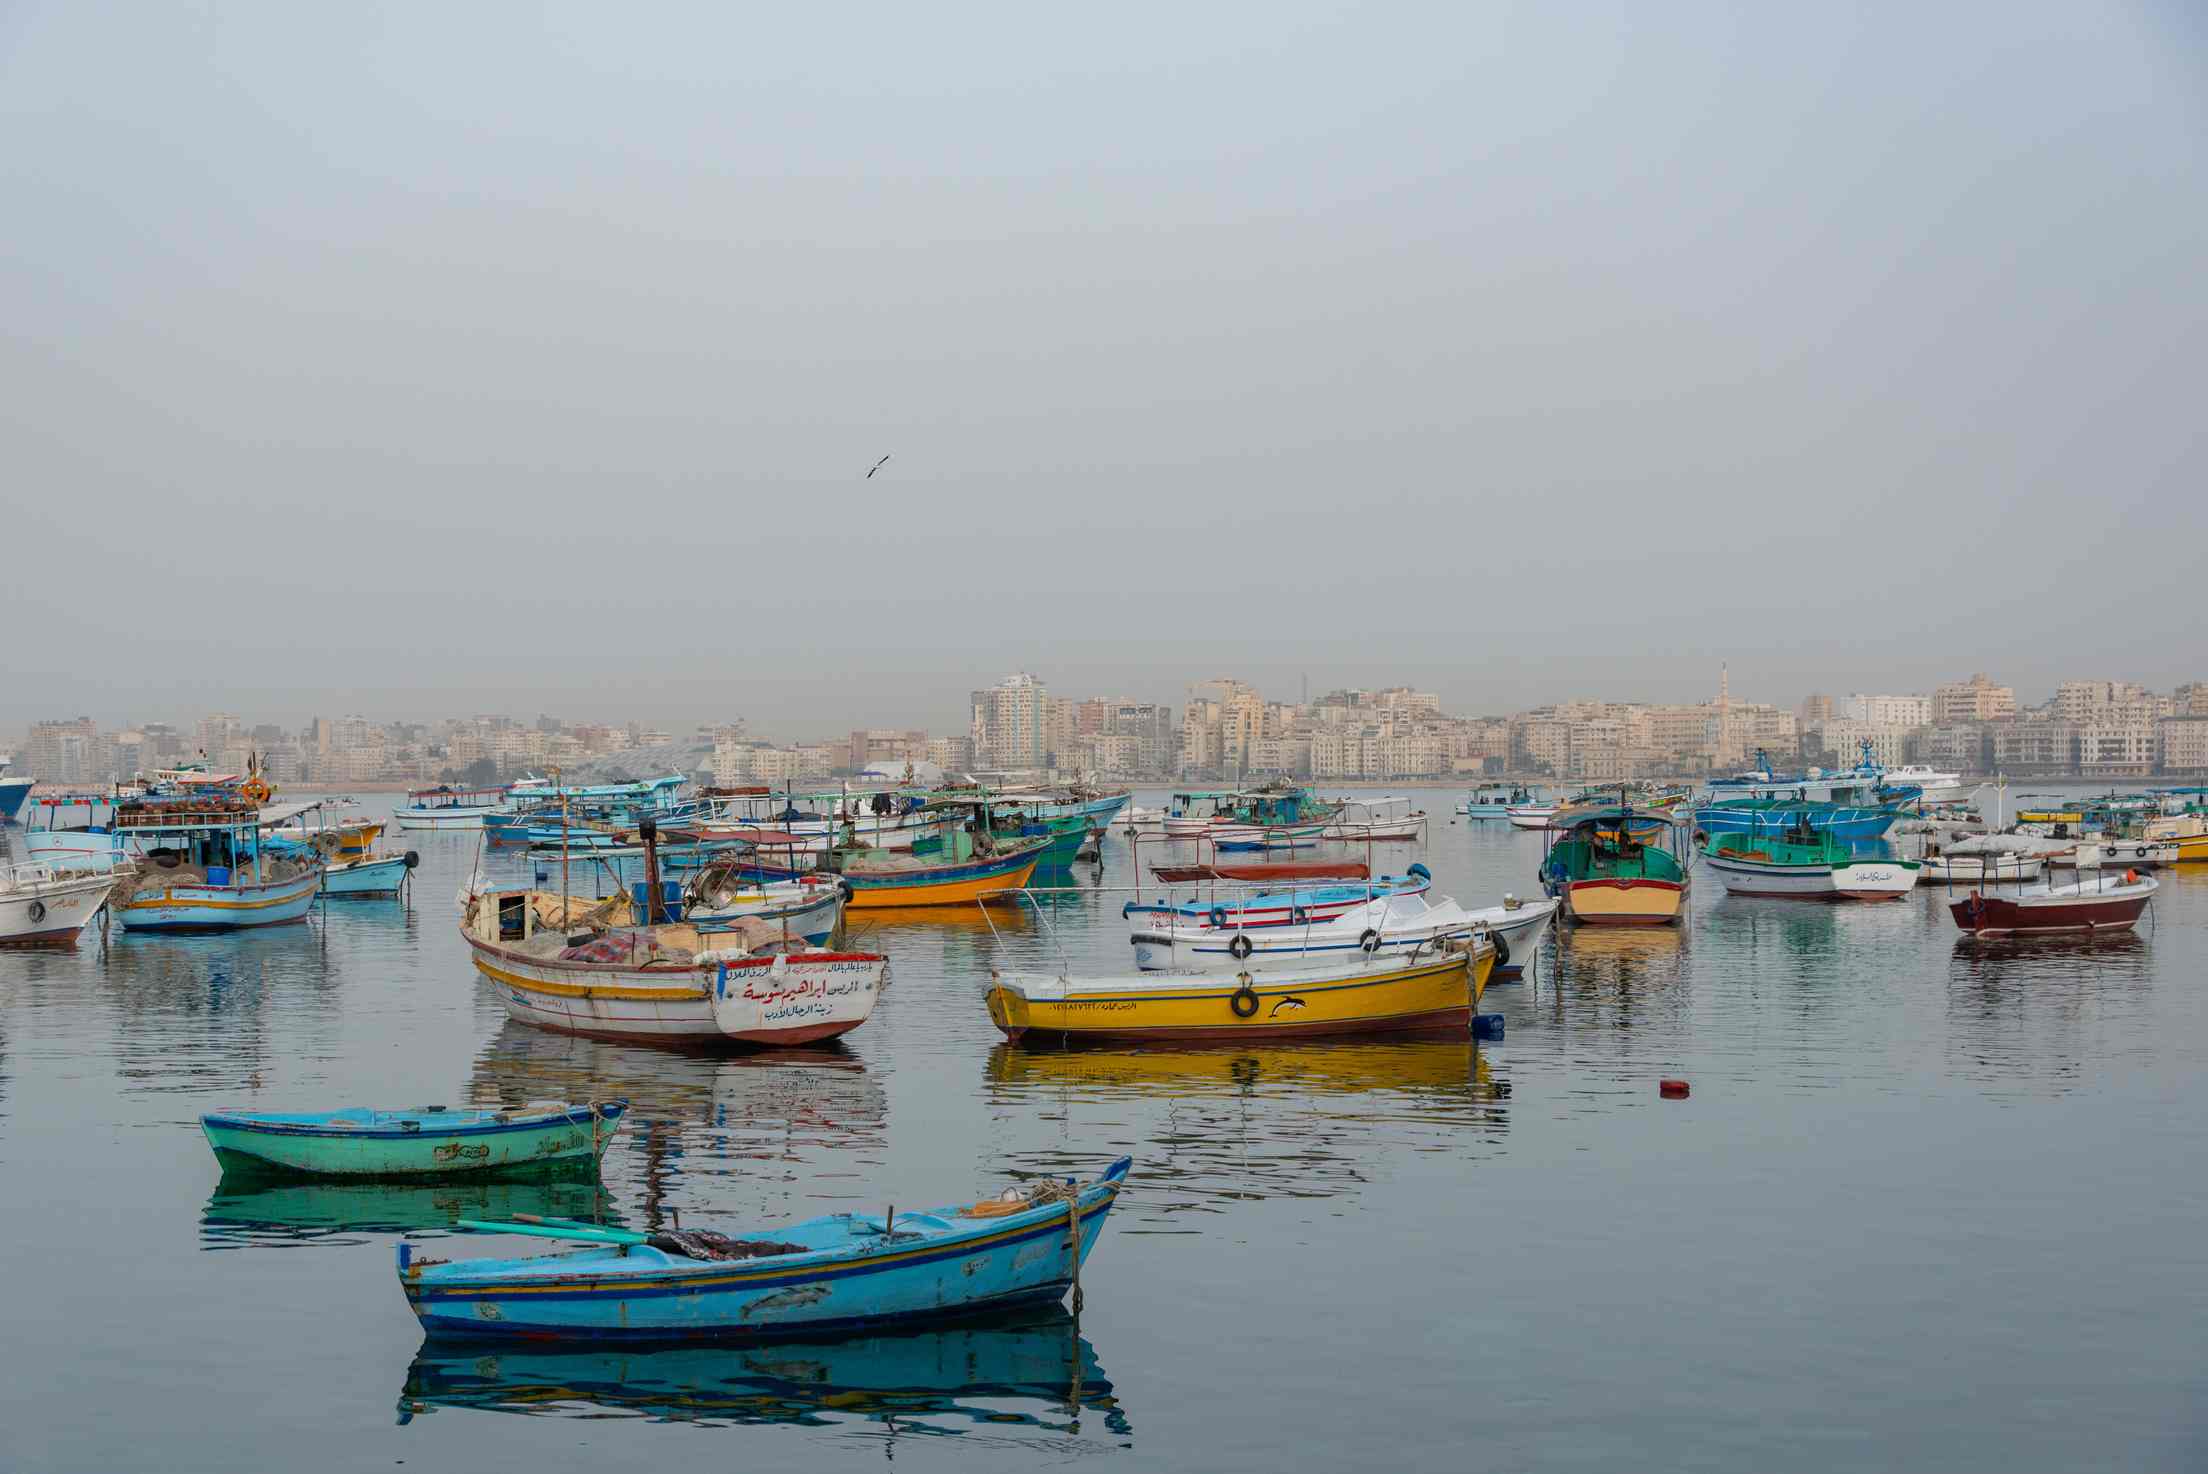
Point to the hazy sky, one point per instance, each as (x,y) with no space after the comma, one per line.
(425,359)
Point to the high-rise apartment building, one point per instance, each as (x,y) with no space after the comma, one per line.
(1009,725)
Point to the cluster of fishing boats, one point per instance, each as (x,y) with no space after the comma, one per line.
(1824,836)
(710,918)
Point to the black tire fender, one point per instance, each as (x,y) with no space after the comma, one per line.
(1370,941)
(37,910)
(1502,949)
(1240,947)
(1244,1001)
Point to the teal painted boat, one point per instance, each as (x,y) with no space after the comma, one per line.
(432,1141)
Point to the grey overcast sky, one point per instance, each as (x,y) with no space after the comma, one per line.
(427,359)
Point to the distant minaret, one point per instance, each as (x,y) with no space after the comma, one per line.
(1724,687)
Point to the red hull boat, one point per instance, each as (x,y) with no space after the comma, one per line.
(1262,871)
(2088,905)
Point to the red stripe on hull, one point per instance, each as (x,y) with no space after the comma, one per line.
(65,938)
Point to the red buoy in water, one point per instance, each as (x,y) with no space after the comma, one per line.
(1672,1089)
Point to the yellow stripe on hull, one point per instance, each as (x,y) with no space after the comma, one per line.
(1429,995)
(940,893)
(1638,904)
(687,992)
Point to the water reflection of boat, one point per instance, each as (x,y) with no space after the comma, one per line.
(250,1209)
(1035,1371)
(824,1096)
(1226,1125)
(1440,1066)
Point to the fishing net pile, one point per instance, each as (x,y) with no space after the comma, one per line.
(703,1243)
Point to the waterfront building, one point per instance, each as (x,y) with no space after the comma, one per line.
(1974,700)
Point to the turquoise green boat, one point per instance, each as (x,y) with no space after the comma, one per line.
(432,1141)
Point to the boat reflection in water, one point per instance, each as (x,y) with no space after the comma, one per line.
(251,1210)
(792,1098)
(2013,1001)
(1307,1120)
(770,1119)
(1036,1371)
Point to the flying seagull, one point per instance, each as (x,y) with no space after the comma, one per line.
(877,466)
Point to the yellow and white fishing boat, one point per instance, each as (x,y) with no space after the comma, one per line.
(1432,991)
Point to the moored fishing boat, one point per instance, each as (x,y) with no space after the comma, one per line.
(808,906)
(427,1141)
(1952,868)
(971,866)
(1495,800)
(14,790)
(2093,903)
(1935,785)
(591,968)
(1390,925)
(1806,864)
(1360,819)
(1433,991)
(1262,872)
(1535,815)
(1264,838)
(447,807)
(44,907)
(843,1272)
(1297,906)
(1606,876)
(1853,804)
(351,864)
(1140,821)
(207,868)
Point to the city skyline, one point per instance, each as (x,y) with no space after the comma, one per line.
(1225,728)
(948,709)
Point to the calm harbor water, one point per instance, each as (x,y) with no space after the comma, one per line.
(1933,1203)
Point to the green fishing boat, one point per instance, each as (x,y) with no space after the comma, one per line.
(431,1141)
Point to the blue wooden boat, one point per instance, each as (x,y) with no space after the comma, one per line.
(430,1141)
(845,1272)
(206,868)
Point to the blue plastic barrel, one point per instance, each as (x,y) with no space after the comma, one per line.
(1487,1026)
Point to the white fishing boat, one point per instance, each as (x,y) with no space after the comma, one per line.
(1146,823)
(1530,816)
(1362,819)
(2139,854)
(1806,864)
(42,906)
(808,907)
(583,967)
(451,808)
(1388,925)
(1264,838)
(1938,787)
(1984,869)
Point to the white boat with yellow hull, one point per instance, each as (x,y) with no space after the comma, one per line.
(581,967)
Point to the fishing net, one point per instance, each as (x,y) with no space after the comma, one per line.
(703,1243)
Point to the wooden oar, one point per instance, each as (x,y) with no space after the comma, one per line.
(545,1230)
